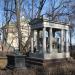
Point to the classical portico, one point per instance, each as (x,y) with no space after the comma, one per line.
(49,40)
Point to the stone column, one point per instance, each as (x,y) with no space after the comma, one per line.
(50,39)
(32,42)
(44,40)
(37,41)
(62,40)
(67,39)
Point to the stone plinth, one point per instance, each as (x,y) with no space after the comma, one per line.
(17,61)
(33,61)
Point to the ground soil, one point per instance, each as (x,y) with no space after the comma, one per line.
(63,68)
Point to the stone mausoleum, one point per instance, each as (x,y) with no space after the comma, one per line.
(49,40)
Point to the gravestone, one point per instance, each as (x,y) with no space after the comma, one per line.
(17,61)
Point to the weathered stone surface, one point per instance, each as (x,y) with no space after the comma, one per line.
(16,61)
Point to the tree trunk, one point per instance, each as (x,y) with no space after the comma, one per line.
(42,2)
(17,5)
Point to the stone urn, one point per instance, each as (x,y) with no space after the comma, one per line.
(3,62)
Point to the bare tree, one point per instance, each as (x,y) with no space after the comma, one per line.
(17,6)
(72,19)
(33,8)
(42,2)
(57,9)
(12,8)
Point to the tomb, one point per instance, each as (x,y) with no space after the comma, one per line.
(49,41)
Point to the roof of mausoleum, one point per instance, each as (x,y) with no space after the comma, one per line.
(45,22)
(40,20)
